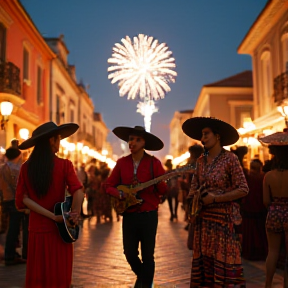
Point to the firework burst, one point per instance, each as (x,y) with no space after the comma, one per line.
(142,67)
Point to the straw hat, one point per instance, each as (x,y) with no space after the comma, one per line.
(277,139)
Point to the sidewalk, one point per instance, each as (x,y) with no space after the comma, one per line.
(99,260)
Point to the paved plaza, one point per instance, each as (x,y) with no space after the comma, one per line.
(99,260)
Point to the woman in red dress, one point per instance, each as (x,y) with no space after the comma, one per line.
(42,182)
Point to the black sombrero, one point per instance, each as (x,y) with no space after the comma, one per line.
(193,128)
(47,130)
(152,142)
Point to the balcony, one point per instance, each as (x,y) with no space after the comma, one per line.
(281,87)
(83,136)
(10,79)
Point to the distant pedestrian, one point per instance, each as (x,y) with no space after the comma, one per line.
(253,211)
(9,173)
(139,221)
(172,192)
(42,183)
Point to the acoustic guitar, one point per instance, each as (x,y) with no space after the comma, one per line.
(68,230)
(132,192)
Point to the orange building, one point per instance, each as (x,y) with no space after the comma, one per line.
(24,71)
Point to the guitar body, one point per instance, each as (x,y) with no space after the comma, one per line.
(69,233)
(131,199)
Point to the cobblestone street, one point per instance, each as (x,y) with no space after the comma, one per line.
(99,260)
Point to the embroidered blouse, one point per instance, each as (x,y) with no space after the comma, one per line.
(221,176)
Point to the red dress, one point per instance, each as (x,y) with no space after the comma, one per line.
(50,259)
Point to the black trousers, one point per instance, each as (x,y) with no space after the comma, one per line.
(14,217)
(140,228)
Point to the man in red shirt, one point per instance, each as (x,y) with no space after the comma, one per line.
(139,221)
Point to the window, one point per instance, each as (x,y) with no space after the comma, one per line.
(266,81)
(2,43)
(285,52)
(72,115)
(39,85)
(57,110)
(25,64)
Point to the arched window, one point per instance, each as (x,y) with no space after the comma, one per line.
(284,47)
(266,81)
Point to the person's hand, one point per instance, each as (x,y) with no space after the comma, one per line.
(73,217)
(207,198)
(58,218)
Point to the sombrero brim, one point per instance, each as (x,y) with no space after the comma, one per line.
(193,128)
(277,139)
(152,142)
(64,130)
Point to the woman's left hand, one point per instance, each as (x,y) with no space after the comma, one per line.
(208,199)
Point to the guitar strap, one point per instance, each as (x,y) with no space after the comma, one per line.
(152,172)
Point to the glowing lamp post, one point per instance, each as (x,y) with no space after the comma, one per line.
(6,109)
(24,133)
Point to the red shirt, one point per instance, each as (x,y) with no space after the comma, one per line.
(123,174)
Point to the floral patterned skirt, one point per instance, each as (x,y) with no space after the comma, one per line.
(216,249)
(277,218)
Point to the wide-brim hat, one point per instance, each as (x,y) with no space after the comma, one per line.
(48,130)
(276,139)
(193,128)
(152,142)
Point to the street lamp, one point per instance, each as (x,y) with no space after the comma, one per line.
(24,133)
(283,109)
(6,110)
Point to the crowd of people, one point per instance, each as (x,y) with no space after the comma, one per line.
(232,210)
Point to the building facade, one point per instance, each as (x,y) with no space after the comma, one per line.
(24,71)
(267,44)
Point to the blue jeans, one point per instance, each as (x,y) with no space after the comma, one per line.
(140,228)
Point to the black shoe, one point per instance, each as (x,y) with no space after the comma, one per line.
(171,218)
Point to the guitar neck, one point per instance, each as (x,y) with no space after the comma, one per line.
(153,181)
(166,176)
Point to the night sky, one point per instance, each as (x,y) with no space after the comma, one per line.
(202,34)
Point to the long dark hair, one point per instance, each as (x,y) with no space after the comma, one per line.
(40,167)
(280,159)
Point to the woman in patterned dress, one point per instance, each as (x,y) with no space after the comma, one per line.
(218,181)
(275,198)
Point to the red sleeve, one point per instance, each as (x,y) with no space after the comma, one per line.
(158,171)
(21,189)
(72,180)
